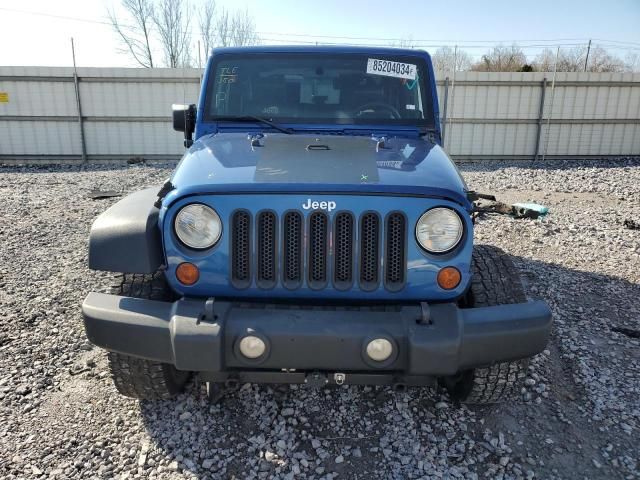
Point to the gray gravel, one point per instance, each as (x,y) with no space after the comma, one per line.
(579,415)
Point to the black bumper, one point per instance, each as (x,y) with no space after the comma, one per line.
(199,336)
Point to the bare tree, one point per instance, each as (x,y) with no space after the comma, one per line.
(444,59)
(407,42)
(224,29)
(137,37)
(243,29)
(602,61)
(545,61)
(172,19)
(569,60)
(502,59)
(573,60)
(236,29)
(632,62)
(207,25)
(167,24)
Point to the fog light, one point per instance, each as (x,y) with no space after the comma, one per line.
(379,349)
(252,347)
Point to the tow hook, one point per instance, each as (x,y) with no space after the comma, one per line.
(339,378)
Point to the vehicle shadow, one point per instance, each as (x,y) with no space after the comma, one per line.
(596,322)
(267,431)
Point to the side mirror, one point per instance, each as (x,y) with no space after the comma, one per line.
(184,120)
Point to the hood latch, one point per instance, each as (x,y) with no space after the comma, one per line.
(380,142)
(254,139)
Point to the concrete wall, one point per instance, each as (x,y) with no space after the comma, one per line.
(126,113)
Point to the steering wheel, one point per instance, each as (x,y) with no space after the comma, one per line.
(378,107)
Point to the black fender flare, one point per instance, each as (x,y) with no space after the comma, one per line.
(126,238)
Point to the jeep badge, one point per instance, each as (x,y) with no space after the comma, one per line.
(328,206)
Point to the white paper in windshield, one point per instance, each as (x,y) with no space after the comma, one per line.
(389,68)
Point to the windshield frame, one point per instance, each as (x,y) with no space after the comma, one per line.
(425,83)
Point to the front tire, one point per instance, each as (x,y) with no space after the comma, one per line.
(136,377)
(495,282)
(145,380)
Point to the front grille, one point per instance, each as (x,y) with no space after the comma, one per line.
(317,250)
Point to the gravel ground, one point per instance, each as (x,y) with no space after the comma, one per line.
(578,417)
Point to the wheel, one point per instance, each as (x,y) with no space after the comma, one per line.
(136,377)
(495,282)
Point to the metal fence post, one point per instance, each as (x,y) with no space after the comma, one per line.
(540,117)
(453,91)
(444,108)
(78,105)
(553,97)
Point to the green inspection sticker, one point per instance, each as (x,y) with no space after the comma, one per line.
(4,97)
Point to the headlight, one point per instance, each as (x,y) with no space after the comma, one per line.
(198,226)
(439,230)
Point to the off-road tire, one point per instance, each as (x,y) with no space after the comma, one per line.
(495,282)
(138,285)
(137,377)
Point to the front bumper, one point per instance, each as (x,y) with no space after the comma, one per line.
(202,335)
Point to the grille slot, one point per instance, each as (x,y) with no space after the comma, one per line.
(241,249)
(395,251)
(343,247)
(369,251)
(292,250)
(266,269)
(317,250)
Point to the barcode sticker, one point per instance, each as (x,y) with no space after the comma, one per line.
(389,68)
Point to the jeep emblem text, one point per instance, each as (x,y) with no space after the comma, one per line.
(328,206)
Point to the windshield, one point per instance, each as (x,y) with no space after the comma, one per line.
(320,88)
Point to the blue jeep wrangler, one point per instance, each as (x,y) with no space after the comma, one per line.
(315,232)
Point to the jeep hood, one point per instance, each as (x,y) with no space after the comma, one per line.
(277,162)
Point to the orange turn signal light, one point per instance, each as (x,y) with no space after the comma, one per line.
(449,278)
(187,273)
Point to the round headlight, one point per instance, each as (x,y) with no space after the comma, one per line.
(439,230)
(198,226)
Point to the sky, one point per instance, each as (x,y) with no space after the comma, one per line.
(42,37)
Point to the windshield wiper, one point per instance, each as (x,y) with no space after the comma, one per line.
(253,118)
